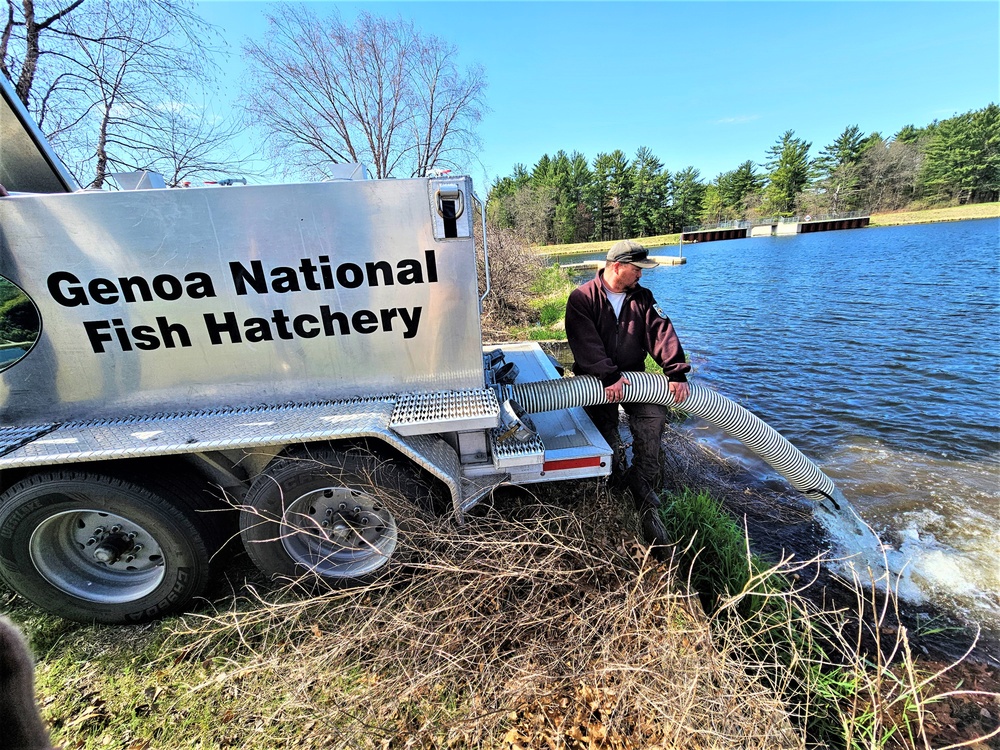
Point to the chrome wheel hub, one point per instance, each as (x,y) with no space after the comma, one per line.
(337,532)
(97,556)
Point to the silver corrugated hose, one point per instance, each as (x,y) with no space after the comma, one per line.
(650,388)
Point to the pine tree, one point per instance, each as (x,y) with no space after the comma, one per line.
(839,170)
(962,158)
(789,170)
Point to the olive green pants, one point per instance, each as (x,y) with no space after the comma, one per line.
(646,424)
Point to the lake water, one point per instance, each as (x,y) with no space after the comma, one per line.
(877,353)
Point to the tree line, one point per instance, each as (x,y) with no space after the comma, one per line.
(128,85)
(565,198)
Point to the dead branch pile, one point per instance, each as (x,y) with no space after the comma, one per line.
(528,626)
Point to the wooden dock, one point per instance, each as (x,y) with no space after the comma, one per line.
(663,260)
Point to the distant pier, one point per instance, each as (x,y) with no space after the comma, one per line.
(775,227)
(663,260)
(736,230)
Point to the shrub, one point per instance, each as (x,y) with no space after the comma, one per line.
(513,269)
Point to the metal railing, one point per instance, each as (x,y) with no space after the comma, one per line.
(748,223)
(736,224)
(820,217)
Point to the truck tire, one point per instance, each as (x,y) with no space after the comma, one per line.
(329,517)
(95,548)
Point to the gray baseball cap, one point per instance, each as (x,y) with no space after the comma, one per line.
(630,251)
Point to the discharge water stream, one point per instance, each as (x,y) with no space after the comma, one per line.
(876,352)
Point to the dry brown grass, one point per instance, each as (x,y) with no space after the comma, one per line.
(546,625)
(531,627)
(538,623)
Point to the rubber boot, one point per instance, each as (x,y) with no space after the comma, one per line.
(618,479)
(647,505)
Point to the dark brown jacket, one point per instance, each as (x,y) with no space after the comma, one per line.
(606,347)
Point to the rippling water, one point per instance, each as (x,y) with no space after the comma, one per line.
(877,353)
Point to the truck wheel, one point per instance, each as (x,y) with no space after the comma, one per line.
(330,517)
(94,548)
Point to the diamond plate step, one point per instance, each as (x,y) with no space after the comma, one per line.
(514,453)
(445,411)
(12,438)
(219,429)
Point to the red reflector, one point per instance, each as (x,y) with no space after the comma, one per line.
(571,463)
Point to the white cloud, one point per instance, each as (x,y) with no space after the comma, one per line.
(738,120)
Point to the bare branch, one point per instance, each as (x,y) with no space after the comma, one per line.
(378,91)
(60,14)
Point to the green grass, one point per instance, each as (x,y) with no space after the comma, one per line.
(538,333)
(552,281)
(551,311)
(844,699)
(715,552)
(551,289)
(933,215)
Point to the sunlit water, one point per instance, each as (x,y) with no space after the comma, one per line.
(877,353)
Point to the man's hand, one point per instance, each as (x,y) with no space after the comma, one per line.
(615,392)
(679,391)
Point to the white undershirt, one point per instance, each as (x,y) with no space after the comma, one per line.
(616,299)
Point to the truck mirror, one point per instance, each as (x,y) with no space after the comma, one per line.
(20,323)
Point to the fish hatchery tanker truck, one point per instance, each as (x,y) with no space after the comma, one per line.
(299,366)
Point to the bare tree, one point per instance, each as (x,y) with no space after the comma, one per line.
(131,57)
(108,81)
(378,92)
(533,210)
(187,142)
(888,174)
(31,26)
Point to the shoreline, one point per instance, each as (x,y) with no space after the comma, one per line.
(968,212)
(799,534)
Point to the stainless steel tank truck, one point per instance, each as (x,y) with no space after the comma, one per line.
(152,337)
(155,342)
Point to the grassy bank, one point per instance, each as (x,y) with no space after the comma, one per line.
(539,623)
(932,215)
(549,291)
(581,248)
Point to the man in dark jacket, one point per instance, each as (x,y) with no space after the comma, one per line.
(612,323)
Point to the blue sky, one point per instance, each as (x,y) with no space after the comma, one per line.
(706,84)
